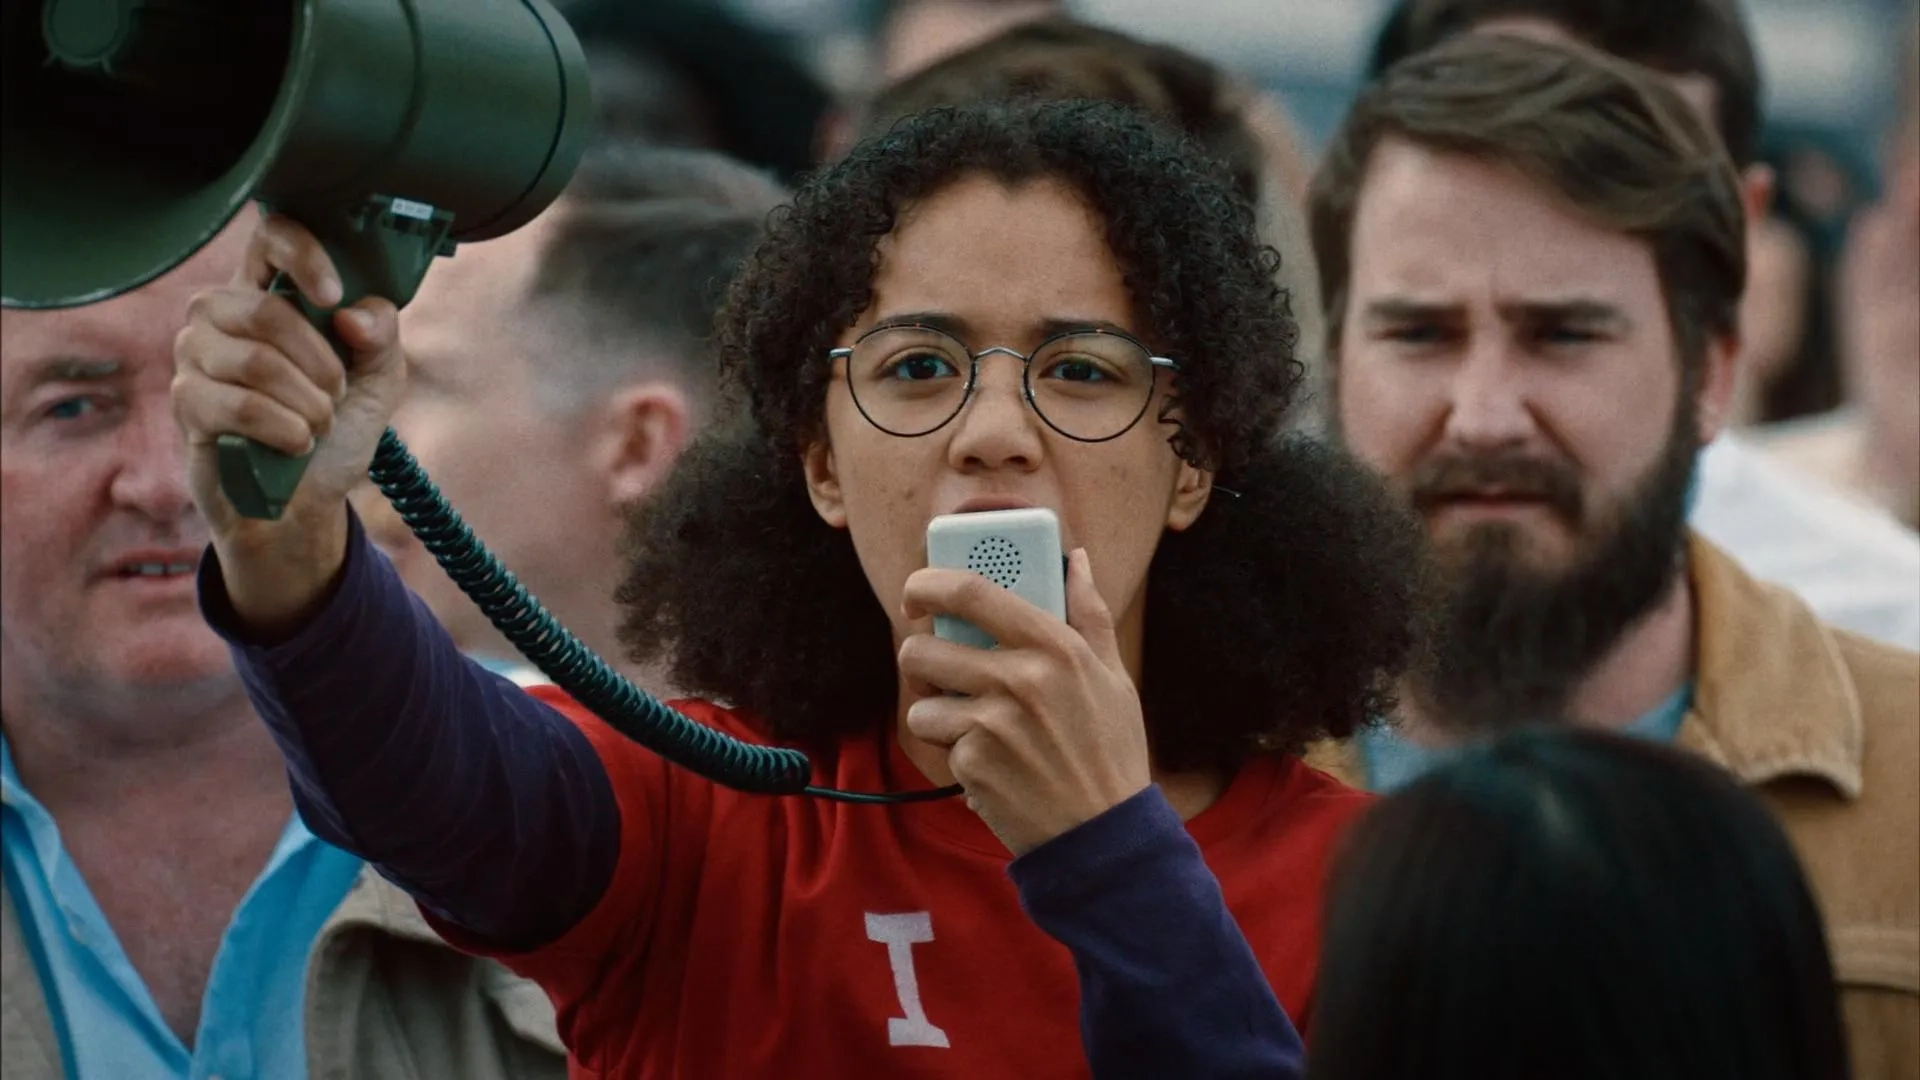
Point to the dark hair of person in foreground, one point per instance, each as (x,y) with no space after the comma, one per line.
(1283,615)
(1573,904)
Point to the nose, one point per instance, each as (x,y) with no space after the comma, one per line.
(152,475)
(1488,407)
(996,429)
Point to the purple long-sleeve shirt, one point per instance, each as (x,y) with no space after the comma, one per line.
(461,788)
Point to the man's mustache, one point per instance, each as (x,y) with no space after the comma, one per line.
(1445,478)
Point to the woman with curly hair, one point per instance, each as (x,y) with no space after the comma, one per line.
(1057,305)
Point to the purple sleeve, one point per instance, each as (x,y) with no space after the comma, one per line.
(453,782)
(1168,984)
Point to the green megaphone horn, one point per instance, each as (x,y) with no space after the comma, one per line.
(132,131)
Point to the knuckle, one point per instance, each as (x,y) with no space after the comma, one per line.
(973,589)
(275,241)
(180,392)
(186,345)
(318,412)
(202,305)
(330,378)
(918,653)
(251,410)
(964,760)
(1029,676)
(276,318)
(258,365)
(1078,655)
(258,416)
(911,651)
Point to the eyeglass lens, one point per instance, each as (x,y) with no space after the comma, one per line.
(1088,386)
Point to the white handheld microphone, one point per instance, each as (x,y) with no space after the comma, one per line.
(1019,550)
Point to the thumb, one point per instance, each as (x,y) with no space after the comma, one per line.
(1087,611)
(371,328)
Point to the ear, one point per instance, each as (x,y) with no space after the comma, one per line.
(643,431)
(1757,187)
(823,484)
(1191,490)
(1717,383)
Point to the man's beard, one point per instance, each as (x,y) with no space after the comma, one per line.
(1512,642)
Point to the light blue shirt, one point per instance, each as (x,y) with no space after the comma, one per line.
(519,671)
(251,1020)
(1392,762)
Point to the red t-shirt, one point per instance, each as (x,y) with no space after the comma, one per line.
(748,936)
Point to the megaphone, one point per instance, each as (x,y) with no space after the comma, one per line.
(132,131)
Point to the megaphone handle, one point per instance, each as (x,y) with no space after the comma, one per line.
(258,479)
(381,246)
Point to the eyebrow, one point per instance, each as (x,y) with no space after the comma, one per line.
(1395,309)
(71,369)
(1583,311)
(959,327)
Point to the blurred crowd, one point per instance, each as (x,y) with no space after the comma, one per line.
(1568,496)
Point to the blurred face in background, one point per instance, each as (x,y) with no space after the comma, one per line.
(540,428)
(99,538)
(1773,312)
(1511,368)
(920,32)
(1879,317)
(484,429)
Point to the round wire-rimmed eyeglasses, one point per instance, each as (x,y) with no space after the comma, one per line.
(1091,385)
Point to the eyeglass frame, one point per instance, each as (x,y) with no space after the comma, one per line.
(1155,365)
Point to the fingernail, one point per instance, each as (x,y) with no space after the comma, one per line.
(362,321)
(328,292)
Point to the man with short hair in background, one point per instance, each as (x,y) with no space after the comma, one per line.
(1858,570)
(555,375)
(165,913)
(1534,356)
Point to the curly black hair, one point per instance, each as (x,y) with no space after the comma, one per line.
(1283,615)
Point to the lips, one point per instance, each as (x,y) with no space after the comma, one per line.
(155,564)
(1491,498)
(1496,482)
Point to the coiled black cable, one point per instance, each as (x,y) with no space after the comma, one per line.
(574,668)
